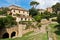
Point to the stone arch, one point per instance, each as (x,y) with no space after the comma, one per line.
(13,34)
(5,35)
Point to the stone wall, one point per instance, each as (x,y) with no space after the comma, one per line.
(9,31)
(18,30)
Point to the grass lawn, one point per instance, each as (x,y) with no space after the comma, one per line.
(38,36)
(58,37)
(54,29)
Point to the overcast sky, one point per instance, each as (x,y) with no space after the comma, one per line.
(25,3)
(46,3)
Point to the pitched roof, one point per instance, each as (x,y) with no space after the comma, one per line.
(17,7)
(41,10)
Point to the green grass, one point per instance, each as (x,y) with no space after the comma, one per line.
(58,37)
(54,29)
(52,26)
(28,33)
(33,37)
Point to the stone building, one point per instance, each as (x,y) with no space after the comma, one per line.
(41,10)
(49,9)
(17,31)
(20,13)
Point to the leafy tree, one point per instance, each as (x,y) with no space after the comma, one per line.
(1,12)
(8,21)
(33,12)
(56,7)
(34,4)
(57,26)
(46,15)
(29,25)
(38,18)
(53,15)
(4,11)
(58,18)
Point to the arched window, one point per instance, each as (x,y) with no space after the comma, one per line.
(21,19)
(13,34)
(10,14)
(25,19)
(5,35)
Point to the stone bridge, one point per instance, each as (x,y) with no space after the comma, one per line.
(9,32)
(13,32)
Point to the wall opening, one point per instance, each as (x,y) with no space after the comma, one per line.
(5,35)
(13,34)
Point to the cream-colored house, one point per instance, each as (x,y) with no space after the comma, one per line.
(20,13)
(41,10)
(18,10)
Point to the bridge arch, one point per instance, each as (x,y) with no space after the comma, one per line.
(5,35)
(13,34)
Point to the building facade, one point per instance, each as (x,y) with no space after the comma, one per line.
(20,13)
(41,10)
(17,31)
(49,9)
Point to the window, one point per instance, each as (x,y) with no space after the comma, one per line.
(10,14)
(14,10)
(23,11)
(13,34)
(6,35)
(21,19)
(25,18)
(23,15)
(19,11)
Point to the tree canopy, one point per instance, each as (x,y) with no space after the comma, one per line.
(4,10)
(38,18)
(8,21)
(58,18)
(33,12)
(56,7)
(34,4)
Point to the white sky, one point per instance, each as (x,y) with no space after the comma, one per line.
(46,3)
